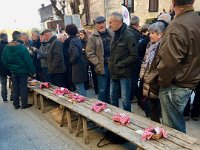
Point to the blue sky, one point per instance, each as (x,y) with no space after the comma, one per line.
(20,14)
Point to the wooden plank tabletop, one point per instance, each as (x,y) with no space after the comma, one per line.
(176,140)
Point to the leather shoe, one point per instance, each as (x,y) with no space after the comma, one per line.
(27,106)
(17,107)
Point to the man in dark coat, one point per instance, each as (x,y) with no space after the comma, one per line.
(123,57)
(4,71)
(55,59)
(36,61)
(134,28)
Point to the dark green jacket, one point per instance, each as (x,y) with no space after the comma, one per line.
(17,59)
(124,54)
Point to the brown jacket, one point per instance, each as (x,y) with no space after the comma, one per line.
(95,52)
(179,52)
(149,74)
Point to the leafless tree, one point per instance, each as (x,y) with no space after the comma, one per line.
(75,7)
(58,12)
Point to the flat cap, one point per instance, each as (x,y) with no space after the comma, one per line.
(99,19)
(45,31)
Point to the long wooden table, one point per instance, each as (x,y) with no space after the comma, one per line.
(176,140)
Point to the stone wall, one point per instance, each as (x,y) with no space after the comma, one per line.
(106,7)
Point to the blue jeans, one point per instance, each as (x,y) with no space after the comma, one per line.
(20,90)
(4,87)
(81,89)
(125,85)
(104,85)
(173,101)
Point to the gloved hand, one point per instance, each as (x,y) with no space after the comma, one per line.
(35,49)
(33,76)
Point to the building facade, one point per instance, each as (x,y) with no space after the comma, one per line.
(145,9)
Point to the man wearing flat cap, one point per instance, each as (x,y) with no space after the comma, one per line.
(98,53)
(55,58)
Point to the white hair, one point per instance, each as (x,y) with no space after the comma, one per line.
(165,16)
(117,16)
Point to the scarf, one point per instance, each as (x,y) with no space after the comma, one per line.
(151,51)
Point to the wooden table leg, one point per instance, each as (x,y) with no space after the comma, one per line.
(79,125)
(35,99)
(63,116)
(69,120)
(85,131)
(42,103)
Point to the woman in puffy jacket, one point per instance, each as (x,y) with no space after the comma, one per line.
(149,73)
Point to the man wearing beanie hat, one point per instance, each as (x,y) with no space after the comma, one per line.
(179,60)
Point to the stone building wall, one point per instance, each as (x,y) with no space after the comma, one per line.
(98,7)
(106,7)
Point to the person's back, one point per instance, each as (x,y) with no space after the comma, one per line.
(179,71)
(4,71)
(17,58)
(185,27)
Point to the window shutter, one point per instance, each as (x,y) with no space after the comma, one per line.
(153,5)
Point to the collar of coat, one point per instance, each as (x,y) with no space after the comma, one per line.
(96,32)
(186,9)
(122,31)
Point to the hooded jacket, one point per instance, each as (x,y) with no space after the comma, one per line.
(17,59)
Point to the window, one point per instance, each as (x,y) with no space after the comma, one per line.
(130,5)
(153,5)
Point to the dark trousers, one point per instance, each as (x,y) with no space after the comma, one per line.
(44,76)
(155,109)
(57,79)
(4,91)
(94,78)
(20,89)
(195,112)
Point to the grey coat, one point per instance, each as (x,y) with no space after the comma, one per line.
(55,58)
(79,72)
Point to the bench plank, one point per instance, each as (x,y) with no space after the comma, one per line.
(175,140)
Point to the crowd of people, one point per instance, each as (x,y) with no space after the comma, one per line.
(163,56)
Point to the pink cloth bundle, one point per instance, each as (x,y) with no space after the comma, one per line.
(61,91)
(98,106)
(45,85)
(76,97)
(122,118)
(154,133)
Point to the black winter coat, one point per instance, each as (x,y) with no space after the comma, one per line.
(124,54)
(3,70)
(79,72)
(55,58)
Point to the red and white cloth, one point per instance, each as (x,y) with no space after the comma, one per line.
(99,106)
(45,85)
(149,132)
(122,118)
(61,91)
(76,97)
